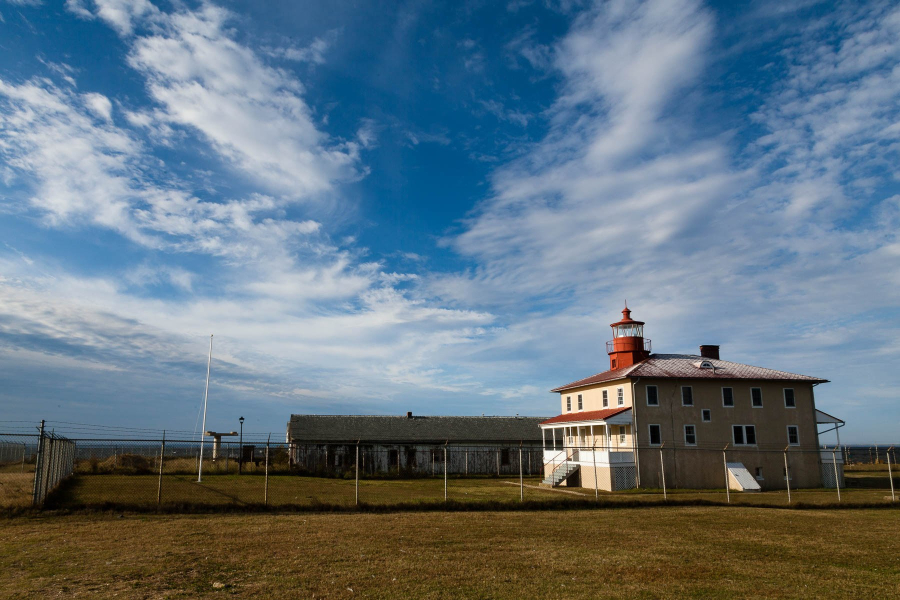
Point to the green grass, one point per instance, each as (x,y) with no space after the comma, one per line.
(651,552)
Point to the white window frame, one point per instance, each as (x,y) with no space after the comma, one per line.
(694,428)
(704,414)
(760,397)
(620,396)
(687,387)
(648,395)
(797,431)
(622,434)
(568,403)
(580,402)
(793,398)
(732,397)
(605,398)
(650,427)
(744,433)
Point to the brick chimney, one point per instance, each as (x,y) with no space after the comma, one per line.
(709,351)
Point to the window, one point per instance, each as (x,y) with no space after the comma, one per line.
(621,396)
(411,460)
(687,396)
(621,434)
(707,415)
(759,475)
(793,435)
(504,457)
(613,365)
(655,435)
(789,398)
(756,397)
(744,435)
(568,403)
(787,477)
(580,403)
(652,396)
(605,398)
(690,435)
(727,397)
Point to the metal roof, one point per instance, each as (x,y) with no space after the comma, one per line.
(588,415)
(380,428)
(682,366)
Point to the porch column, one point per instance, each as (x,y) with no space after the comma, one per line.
(543,439)
(553,430)
(607,436)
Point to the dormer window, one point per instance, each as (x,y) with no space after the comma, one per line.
(704,364)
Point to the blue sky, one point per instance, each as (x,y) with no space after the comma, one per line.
(439,207)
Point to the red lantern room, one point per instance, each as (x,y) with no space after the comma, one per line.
(628,345)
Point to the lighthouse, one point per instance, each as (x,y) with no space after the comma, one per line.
(628,345)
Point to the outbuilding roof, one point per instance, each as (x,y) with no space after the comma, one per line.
(380,428)
(684,366)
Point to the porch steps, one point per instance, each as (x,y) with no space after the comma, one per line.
(560,474)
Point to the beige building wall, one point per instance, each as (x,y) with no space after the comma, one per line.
(592,396)
(702,466)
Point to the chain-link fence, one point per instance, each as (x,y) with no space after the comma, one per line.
(166,474)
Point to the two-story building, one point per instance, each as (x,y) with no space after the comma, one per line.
(696,420)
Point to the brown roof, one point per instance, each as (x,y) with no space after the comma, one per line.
(588,415)
(682,366)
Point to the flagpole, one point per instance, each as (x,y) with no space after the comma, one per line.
(205,399)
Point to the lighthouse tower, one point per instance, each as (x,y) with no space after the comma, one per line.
(628,345)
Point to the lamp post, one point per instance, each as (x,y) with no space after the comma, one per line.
(241,444)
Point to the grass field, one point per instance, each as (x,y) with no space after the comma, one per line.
(653,552)
(866,485)
(286,491)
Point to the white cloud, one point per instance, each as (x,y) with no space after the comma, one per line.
(119,14)
(251,114)
(314,53)
(99,105)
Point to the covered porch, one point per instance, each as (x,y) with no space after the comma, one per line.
(595,439)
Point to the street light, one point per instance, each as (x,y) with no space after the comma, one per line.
(241,444)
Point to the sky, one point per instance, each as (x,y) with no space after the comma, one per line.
(439,207)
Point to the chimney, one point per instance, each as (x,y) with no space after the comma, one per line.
(709,351)
(409,414)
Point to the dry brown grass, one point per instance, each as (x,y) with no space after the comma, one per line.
(709,552)
(182,492)
(15,489)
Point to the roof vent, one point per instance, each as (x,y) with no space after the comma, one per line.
(709,351)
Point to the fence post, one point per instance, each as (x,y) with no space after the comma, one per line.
(357,472)
(594,454)
(38,459)
(727,483)
(787,473)
(445,470)
(662,470)
(162,457)
(521,477)
(837,482)
(890,473)
(266,497)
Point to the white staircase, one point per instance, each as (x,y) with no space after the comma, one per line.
(560,474)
